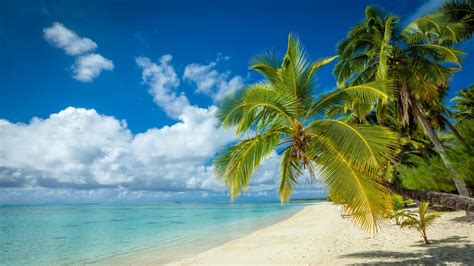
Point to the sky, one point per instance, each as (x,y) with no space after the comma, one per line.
(106,101)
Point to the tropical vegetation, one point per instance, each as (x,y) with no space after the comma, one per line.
(385,128)
(420,58)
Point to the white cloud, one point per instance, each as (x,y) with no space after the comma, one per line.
(81,148)
(66,39)
(162,81)
(197,135)
(428,7)
(210,82)
(88,65)
(205,76)
(70,146)
(227,87)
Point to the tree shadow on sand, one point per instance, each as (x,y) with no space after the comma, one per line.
(433,253)
(464,219)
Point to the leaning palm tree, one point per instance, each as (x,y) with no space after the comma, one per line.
(283,116)
(439,114)
(419,58)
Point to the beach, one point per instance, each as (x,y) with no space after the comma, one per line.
(318,234)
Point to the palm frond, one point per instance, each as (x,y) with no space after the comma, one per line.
(236,164)
(439,52)
(267,65)
(258,106)
(315,66)
(359,195)
(347,67)
(367,148)
(385,50)
(364,93)
(294,70)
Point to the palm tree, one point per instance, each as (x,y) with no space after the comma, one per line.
(419,222)
(461,11)
(464,104)
(419,58)
(438,115)
(283,116)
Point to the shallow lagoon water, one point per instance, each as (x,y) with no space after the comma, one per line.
(94,233)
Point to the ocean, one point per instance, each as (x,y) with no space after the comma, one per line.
(97,233)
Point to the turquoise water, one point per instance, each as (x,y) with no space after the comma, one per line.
(94,233)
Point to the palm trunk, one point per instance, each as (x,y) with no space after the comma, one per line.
(451,201)
(423,234)
(454,130)
(460,184)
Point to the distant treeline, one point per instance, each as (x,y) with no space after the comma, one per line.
(308,199)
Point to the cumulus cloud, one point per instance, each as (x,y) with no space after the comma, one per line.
(211,82)
(162,80)
(205,76)
(88,65)
(79,148)
(70,147)
(66,39)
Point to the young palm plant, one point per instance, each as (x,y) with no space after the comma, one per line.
(282,115)
(419,222)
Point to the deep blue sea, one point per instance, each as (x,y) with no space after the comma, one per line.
(95,233)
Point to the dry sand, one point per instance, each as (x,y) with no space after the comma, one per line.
(319,235)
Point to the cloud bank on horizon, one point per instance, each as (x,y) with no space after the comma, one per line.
(78,154)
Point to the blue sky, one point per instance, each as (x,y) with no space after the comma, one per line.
(114,100)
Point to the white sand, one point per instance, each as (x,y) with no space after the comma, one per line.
(319,235)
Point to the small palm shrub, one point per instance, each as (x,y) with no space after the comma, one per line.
(419,222)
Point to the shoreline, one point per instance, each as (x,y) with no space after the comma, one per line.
(170,254)
(318,234)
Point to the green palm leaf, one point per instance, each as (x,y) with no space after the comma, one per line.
(366,147)
(315,66)
(365,93)
(258,107)
(385,49)
(267,65)
(439,52)
(358,194)
(236,164)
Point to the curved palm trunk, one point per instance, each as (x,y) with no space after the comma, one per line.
(454,130)
(460,184)
(452,201)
